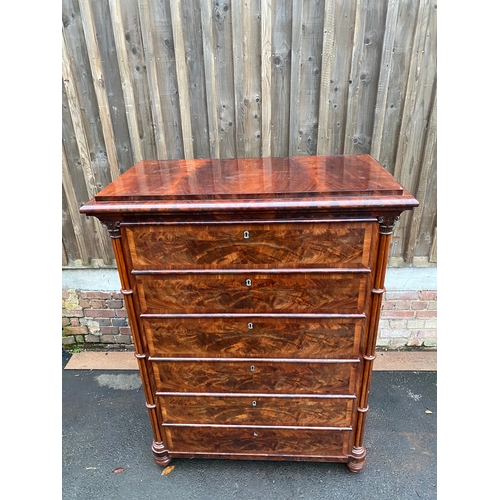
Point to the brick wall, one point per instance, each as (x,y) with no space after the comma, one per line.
(408,319)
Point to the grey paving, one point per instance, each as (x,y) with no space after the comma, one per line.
(106,427)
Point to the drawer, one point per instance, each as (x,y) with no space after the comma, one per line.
(269,442)
(270,337)
(249,376)
(257,410)
(240,245)
(252,293)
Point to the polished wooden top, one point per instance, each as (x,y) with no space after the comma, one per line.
(301,181)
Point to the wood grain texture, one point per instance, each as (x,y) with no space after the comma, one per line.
(255,377)
(247,246)
(290,292)
(257,410)
(259,337)
(259,442)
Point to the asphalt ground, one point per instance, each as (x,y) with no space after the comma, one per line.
(106,448)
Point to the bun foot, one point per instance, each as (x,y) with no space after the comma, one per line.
(160,454)
(358,459)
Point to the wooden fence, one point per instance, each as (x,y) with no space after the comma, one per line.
(168,79)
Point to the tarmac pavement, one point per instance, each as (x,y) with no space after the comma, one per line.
(106,445)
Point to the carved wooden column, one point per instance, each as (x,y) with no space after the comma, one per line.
(160,453)
(386,227)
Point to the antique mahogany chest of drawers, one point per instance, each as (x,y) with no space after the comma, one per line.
(253,289)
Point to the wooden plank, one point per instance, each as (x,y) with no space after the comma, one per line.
(336,66)
(168,91)
(152,75)
(433,251)
(247,78)
(306,76)
(417,109)
(217,51)
(114,94)
(74,214)
(210,56)
(365,68)
(99,85)
(423,219)
(137,72)
(126,79)
(397,51)
(266,72)
(280,76)
(193,44)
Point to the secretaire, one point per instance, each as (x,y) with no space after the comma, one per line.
(253,289)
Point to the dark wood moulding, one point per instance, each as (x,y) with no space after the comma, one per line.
(253,289)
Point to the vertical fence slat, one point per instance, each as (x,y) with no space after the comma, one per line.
(126,79)
(99,85)
(368,39)
(266,99)
(280,76)
(335,74)
(182,78)
(152,73)
(73,212)
(417,108)
(398,48)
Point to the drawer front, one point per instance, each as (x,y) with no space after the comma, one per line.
(236,410)
(300,442)
(248,376)
(235,337)
(266,245)
(252,293)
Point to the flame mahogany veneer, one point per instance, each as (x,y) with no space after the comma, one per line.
(253,289)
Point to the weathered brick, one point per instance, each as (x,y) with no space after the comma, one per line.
(426,314)
(388,305)
(104,321)
(121,313)
(401,295)
(428,295)
(119,322)
(432,305)
(415,324)
(114,304)
(80,338)
(415,342)
(116,339)
(73,330)
(73,313)
(124,330)
(397,314)
(109,330)
(92,338)
(96,295)
(97,304)
(430,342)
(85,303)
(431,324)
(66,321)
(68,340)
(402,305)
(427,333)
(397,342)
(419,305)
(100,313)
